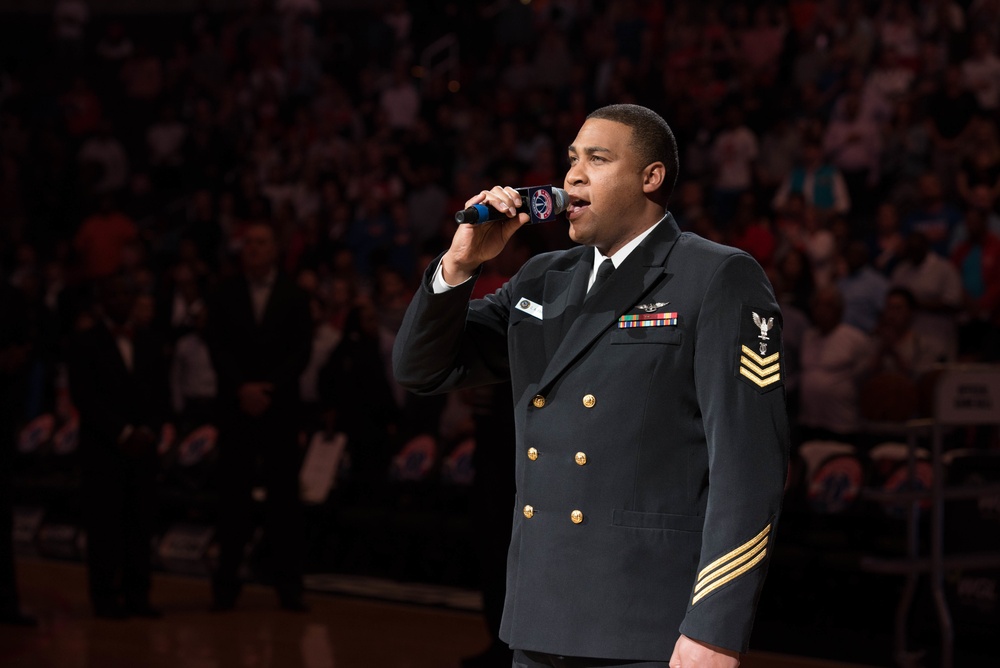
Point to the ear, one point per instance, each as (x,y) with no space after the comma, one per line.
(653,177)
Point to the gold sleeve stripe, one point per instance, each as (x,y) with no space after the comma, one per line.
(763,361)
(735,553)
(757,370)
(760,382)
(722,570)
(732,576)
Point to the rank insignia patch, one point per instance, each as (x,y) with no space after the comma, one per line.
(760,355)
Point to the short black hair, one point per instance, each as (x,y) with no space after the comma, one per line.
(652,138)
(905,294)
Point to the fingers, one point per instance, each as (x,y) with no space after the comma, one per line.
(502,198)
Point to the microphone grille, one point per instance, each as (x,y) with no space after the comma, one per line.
(560,199)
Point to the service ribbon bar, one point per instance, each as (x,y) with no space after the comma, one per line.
(647,320)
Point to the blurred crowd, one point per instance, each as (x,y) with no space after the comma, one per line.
(851,146)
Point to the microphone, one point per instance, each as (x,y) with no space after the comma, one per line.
(541,203)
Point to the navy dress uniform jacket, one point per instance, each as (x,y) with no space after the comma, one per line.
(650,459)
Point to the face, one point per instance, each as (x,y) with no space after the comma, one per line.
(260,250)
(605,186)
(896,314)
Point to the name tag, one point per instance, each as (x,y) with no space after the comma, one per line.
(647,320)
(529,307)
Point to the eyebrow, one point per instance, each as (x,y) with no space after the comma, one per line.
(589,149)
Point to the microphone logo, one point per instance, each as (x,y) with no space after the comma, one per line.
(542,208)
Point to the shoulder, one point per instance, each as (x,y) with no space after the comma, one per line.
(711,254)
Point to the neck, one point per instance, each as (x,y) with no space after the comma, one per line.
(258,273)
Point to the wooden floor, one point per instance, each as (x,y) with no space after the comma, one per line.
(339,632)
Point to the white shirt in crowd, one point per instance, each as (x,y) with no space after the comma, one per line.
(191,373)
(831,371)
(733,154)
(933,280)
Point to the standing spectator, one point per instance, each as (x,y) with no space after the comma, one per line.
(863,289)
(978,262)
(82,109)
(981,74)
(732,154)
(15,350)
(820,183)
(400,101)
(105,161)
(259,334)
(117,379)
(193,384)
(935,217)
(937,287)
(835,356)
(165,140)
(980,176)
(905,155)
(901,348)
(356,392)
(887,243)
(101,240)
(950,111)
(853,143)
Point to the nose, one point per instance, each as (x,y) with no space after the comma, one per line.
(575,175)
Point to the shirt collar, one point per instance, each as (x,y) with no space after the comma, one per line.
(627,249)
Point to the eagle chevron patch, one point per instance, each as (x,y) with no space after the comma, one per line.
(760,358)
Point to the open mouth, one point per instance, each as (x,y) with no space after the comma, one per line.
(576,207)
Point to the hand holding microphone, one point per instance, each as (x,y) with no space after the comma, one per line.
(489,220)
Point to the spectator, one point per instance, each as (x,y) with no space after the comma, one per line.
(101,240)
(105,161)
(835,357)
(937,287)
(258,333)
(15,354)
(978,262)
(355,390)
(733,154)
(902,348)
(820,183)
(118,382)
(853,144)
(863,289)
(981,73)
(887,244)
(905,155)
(193,384)
(950,111)
(935,217)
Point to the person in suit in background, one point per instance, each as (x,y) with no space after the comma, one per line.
(118,383)
(15,350)
(259,335)
(652,437)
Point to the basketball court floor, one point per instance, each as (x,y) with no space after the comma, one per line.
(342,630)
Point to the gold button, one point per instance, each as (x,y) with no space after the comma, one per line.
(538,401)
(576,516)
(581,458)
(589,400)
(532,454)
(529,512)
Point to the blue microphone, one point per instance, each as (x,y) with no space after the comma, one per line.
(541,203)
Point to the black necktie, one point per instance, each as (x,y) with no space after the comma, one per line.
(603,272)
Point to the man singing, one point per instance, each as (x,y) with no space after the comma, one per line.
(652,438)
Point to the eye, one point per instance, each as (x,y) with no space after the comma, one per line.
(598,158)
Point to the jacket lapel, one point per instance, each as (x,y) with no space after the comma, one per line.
(563,298)
(637,275)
